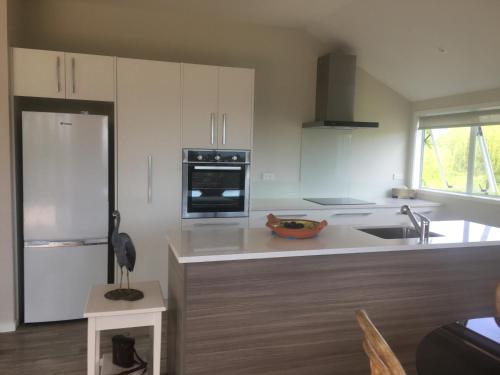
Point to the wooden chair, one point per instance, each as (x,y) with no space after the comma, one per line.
(383,361)
(497,300)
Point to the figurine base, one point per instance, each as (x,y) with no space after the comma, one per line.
(124,294)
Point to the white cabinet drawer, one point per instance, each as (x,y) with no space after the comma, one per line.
(352,216)
(215,223)
(374,216)
(343,216)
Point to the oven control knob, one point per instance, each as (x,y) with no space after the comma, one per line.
(234,158)
(217,157)
(199,157)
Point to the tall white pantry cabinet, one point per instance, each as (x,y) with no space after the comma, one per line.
(161,107)
(149,159)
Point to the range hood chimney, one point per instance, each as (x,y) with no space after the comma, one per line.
(335,82)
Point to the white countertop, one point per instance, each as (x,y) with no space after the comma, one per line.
(211,245)
(283,204)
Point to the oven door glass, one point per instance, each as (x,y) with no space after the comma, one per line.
(216,188)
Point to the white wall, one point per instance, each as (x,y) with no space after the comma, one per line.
(486,97)
(285,60)
(456,206)
(379,153)
(285,63)
(359,162)
(7,296)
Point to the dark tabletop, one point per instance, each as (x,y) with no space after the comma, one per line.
(469,347)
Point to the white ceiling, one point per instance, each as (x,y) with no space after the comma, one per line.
(396,41)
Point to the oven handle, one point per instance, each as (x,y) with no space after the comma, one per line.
(217,167)
(213,162)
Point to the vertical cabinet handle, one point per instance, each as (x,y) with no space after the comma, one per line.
(212,128)
(224,122)
(58,73)
(73,73)
(150,178)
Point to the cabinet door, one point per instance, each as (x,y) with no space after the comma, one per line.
(90,77)
(149,160)
(235,108)
(38,73)
(199,106)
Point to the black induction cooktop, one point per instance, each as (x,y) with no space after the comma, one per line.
(337,201)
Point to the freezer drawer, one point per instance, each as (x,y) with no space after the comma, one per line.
(57,280)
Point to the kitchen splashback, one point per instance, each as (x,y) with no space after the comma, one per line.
(325,169)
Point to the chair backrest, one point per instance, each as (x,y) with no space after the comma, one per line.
(383,361)
(497,300)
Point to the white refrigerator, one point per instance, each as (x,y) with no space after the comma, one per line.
(65,212)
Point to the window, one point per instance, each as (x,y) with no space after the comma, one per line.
(461,153)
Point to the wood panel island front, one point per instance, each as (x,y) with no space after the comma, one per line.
(242,301)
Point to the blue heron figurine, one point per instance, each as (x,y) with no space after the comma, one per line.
(124,249)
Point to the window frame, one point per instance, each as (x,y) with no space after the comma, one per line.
(416,153)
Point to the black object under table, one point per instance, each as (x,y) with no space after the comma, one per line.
(469,347)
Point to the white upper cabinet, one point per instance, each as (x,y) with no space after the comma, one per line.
(38,73)
(217,107)
(235,108)
(51,74)
(199,106)
(89,77)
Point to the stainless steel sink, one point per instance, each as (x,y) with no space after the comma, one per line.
(389,233)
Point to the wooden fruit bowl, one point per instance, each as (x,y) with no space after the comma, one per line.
(289,228)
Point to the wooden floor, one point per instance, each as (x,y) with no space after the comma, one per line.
(60,348)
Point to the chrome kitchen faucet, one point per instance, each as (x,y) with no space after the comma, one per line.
(423,227)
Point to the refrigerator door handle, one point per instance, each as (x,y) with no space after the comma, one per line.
(73,73)
(69,243)
(150,179)
(58,73)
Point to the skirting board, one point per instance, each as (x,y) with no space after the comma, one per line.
(7,327)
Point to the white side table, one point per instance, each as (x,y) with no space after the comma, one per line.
(103,314)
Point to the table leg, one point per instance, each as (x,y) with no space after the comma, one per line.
(155,336)
(98,351)
(93,344)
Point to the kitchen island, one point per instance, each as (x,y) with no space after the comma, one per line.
(243,301)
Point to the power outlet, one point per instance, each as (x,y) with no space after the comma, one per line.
(398,176)
(268,176)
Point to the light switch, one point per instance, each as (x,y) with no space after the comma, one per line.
(267,176)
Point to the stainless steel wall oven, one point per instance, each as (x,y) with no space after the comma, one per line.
(215,183)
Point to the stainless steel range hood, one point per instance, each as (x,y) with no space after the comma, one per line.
(335,82)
